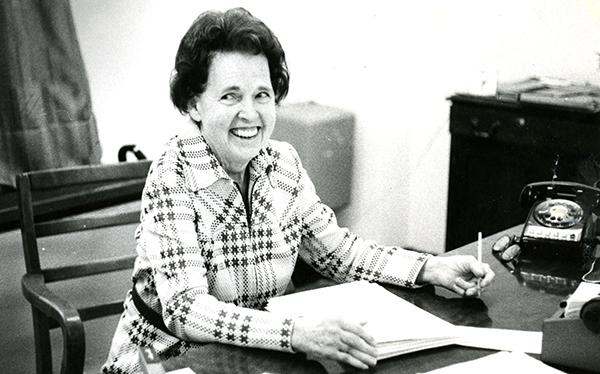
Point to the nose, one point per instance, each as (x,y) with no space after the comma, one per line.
(247,111)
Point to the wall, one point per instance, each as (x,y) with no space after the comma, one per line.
(393,64)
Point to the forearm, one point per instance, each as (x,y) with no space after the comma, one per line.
(343,256)
(200,317)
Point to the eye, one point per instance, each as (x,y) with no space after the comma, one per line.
(263,96)
(230,98)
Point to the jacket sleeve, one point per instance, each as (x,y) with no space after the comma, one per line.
(341,255)
(176,253)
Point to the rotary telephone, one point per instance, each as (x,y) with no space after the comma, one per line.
(561,228)
(562,219)
(561,223)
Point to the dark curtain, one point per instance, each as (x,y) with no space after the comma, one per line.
(46,118)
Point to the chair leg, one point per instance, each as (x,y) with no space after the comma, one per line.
(73,349)
(43,347)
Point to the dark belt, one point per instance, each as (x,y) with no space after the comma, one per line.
(148,313)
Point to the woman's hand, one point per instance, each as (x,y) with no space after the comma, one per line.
(335,338)
(457,273)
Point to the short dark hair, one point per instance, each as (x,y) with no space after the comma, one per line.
(235,30)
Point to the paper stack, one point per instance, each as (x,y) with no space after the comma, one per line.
(398,326)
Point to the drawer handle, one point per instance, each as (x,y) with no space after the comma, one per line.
(520,122)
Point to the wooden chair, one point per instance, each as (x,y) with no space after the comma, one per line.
(82,198)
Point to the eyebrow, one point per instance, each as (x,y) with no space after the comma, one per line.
(265,88)
(237,88)
(231,88)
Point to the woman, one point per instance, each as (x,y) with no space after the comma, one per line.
(226,211)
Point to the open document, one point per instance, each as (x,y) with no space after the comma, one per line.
(398,326)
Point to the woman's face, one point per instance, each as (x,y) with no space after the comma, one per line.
(237,109)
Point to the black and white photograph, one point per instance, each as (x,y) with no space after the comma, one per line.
(299,187)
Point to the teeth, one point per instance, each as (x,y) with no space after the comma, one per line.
(247,132)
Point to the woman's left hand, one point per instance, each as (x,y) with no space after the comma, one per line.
(457,273)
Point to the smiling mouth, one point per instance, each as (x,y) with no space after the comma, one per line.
(245,133)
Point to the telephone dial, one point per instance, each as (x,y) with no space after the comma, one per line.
(561,222)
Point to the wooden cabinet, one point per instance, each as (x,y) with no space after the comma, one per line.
(497,148)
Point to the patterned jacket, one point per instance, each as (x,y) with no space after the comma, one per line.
(209,268)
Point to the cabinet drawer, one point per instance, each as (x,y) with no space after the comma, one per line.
(520,128)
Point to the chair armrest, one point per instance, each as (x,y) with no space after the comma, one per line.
(62,311)
(42,298)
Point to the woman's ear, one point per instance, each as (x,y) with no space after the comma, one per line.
(193,110)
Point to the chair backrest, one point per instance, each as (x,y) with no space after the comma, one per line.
(69,200)
(75,190)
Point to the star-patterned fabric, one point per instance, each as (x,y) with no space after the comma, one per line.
(209,268)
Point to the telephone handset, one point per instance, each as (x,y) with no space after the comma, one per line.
(577,192)
(562,219)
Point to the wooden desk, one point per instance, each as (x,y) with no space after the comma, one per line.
(518,299)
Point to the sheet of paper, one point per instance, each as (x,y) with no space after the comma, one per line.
(500,339)
(388,317)
(505,362)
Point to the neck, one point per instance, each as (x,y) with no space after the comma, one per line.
(239,177)
(242,181)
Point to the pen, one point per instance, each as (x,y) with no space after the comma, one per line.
(479,258)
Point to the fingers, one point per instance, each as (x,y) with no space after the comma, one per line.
(481,271)
(473,291)
(470,291)
(365,360)
(464,284)
(357,329)
(488,276)
(476,267)
(349,354)
(358,348)
(336,338)
(358,343)
(484,273)
(467,288)
(350,359)
(456,288)
(355,342)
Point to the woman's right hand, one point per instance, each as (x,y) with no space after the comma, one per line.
(335,338)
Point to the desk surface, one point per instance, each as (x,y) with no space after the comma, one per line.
(519,298)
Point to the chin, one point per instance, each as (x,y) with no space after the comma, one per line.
(239,163)
(248,153)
